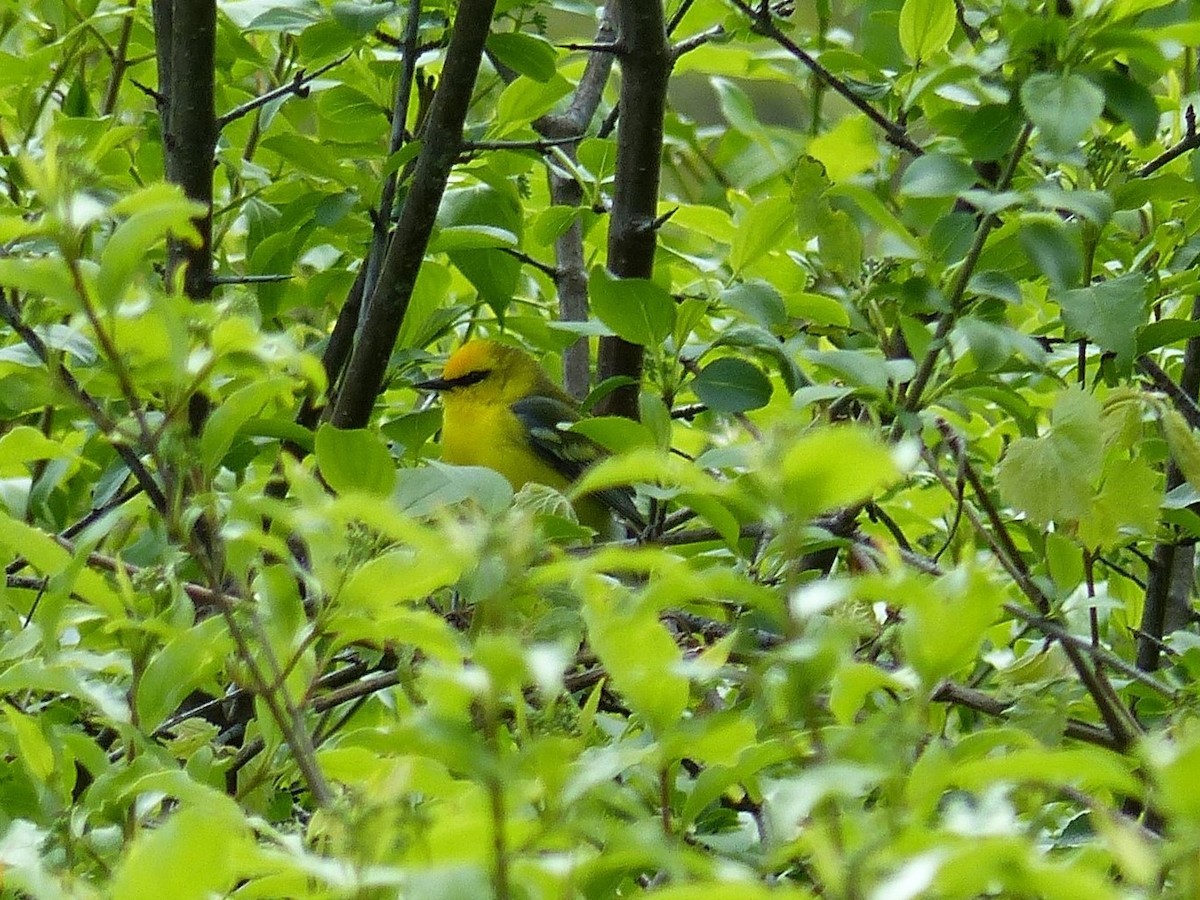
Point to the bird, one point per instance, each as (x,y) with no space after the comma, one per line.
(500,410)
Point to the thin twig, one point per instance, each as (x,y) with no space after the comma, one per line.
(954,297)
(1185,404)
(528,260)
(217,280)
(539,144)
(1189,141)
(298,86)
(894,132)
(970,698)
(98,416)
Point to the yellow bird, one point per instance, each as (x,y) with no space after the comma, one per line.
(501,411)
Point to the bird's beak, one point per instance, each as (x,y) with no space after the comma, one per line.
(434,384)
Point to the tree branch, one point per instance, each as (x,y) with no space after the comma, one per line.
(632,240)
(297,87)
(1189,141)
(1169,582)
(954,298)
(190,129)
(570,276)
(388,303)
(98,416)
(762,23)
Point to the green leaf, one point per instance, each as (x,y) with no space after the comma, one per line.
(1131,102)
(489,218)
(636,309)
(1109,313)
(233,412)
(191,856)
(926,27)
(551,223)
(25,444)
(615,433)
(1051,477)
(831,468)
(757,300)
(47,556)
(817,309)
(847,149)
(1063,106)
(525,100)
(46,276)
(525,54)
(1095,206)
(360,19)
(471,237)
(760,230)
(809,185)
(1127,505)
(937,175)
(154,213)
(354,460)
(1164,332)
(1184,446)
(945,620)
(991,131)
(639,655)
(407,575)
(841,243)
(435,486)
(33,749)
(185,662)
(1051,249)
(732,385)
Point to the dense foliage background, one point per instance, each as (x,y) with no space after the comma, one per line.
(916,287)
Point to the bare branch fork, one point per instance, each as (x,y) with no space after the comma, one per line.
(762,23)
(298,87)
(1117,718)
(99,417)
(1189,141)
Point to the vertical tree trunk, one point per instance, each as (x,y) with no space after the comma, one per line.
(186,33)
(645,67)
(440,149)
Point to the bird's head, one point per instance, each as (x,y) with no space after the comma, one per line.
(486,371)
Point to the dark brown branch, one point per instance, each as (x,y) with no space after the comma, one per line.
(98,416)
(297,87)
(190,130)
(615,48)
(645,71)
(218,280)
(388,303)
(1184,402)
(571,271)
(959,695)
(541,144)
(1189,141)
(1168,584)
(1120,722)
(763,24)
(958,289)
(528,260)
(120,61)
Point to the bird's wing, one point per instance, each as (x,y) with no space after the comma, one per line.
(568,452)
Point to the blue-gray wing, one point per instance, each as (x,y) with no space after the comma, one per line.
(568,452)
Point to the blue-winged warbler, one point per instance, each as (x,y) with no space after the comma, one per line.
(501,411)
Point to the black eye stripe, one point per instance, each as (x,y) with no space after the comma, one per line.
(468,379)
